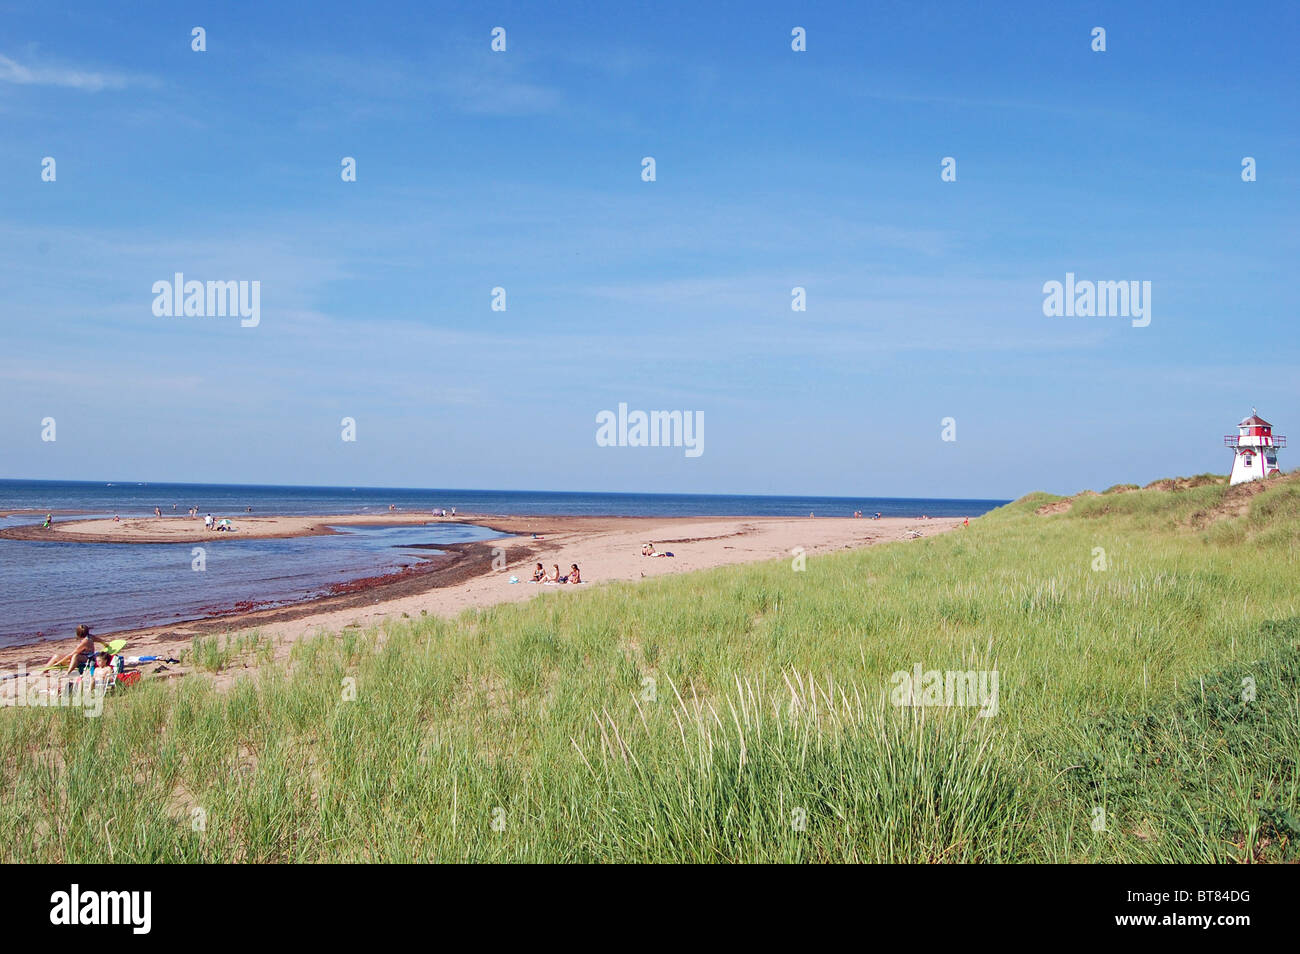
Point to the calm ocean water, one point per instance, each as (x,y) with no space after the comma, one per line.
(230,500)
(49,587)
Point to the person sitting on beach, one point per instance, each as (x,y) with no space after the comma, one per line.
(649,550)
(574,576)
(539,574)
(49,519)
(555,574)
(116,518)
(80,655)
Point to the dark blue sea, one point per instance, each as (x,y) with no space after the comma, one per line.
(47,587)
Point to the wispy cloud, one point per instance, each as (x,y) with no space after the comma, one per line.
(11,71)
(496,95)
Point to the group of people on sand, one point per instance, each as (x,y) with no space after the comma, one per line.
(648,549)
(541,576)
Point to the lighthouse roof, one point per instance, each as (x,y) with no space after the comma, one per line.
(1254,421)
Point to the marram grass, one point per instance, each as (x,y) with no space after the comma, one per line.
(1147,645)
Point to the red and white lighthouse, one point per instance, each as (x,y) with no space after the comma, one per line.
(1254,448)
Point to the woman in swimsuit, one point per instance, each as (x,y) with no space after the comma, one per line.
(539,574)
(574,576)
(81,655)
(555,574)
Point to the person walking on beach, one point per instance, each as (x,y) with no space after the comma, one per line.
(157,511)
(81,654)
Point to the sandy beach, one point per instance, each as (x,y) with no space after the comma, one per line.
(185,529)
(605,548)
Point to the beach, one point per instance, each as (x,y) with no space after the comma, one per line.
(471,575)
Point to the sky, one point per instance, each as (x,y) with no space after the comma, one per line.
(522,169)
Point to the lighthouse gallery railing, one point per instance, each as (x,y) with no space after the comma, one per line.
(1274,440)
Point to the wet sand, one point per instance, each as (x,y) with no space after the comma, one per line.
(605,548)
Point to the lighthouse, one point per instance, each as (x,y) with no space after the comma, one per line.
(1254,448)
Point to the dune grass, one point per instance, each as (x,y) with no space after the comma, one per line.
(1147,645)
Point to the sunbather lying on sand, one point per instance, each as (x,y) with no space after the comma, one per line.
(648,549)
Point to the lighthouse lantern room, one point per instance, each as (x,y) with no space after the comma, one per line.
(1254,449)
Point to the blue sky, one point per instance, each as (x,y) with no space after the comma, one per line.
(522,170)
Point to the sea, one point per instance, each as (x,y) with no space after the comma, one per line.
(48,587)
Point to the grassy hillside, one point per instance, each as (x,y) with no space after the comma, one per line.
(1147,645)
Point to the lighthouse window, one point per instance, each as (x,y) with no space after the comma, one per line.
(1249,460)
